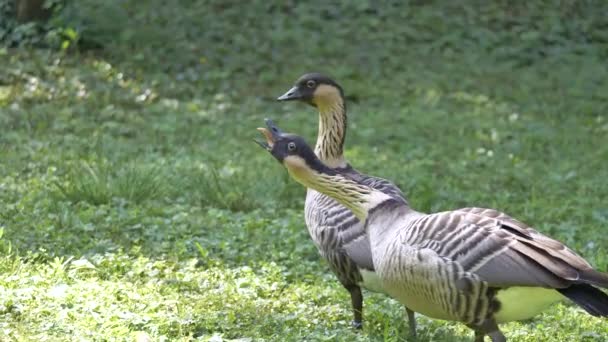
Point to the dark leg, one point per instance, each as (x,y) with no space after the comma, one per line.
(357,300)
(488,327)
(411,320)
(497,336)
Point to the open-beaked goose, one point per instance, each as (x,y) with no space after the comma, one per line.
(477,266)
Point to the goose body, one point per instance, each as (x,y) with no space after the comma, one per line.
(336,232)
(473,265)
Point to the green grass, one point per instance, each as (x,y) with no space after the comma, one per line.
(133,201)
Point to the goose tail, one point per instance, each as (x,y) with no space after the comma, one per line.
(590,298)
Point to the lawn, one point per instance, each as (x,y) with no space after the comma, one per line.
(134,204)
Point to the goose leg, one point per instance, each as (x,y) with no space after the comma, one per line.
(497,336)
(357,301)
(411,320)
(490,328)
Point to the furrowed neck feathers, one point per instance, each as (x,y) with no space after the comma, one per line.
(359,198)
(332,126)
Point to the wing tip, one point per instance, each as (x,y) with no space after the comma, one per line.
(594,277)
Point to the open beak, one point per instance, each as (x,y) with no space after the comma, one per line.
(267,145)
(292,94)
(271,134)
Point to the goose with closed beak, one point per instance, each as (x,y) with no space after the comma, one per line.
(337,233)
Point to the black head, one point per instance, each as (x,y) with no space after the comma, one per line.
(311,88)
(290,148)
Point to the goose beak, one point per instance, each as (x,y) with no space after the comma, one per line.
(267,145)
(292,94)
(271,134)
(276,131)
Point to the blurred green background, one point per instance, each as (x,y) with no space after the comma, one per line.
(134,204)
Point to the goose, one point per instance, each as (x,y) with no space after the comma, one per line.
(337,233)
(473,265)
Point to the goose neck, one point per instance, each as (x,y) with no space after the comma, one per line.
(359,198)
(332,133)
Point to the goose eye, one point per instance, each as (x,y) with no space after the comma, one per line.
(291,146)
(311,84)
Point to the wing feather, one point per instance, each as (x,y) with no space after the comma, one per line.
(501,250)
